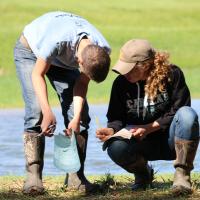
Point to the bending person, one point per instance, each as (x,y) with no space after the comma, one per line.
(70,52)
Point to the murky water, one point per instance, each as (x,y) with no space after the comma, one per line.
(97,162)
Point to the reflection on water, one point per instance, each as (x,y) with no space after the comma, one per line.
(97,162)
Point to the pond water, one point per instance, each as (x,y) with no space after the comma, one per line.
(97,162)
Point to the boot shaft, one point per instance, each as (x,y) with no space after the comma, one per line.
(78,180)
(79,176)
(142,171)
(185,153)
(34,147)
(82,139)
(34,154)
(139,166)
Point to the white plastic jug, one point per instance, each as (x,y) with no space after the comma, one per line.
(66,156)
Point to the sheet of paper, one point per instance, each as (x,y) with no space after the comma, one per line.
(124,133)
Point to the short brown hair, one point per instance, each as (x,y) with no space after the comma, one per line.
(96,62)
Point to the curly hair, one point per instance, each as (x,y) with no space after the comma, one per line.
(158,75)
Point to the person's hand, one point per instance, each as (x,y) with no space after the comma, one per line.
(74,125)
(48,125)
(139,133)
(104,133)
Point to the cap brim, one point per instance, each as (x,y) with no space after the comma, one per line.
(123,67)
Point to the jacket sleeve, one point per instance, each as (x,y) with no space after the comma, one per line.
(180,96)
(116,109)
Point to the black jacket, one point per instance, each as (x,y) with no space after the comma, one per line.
(129,106)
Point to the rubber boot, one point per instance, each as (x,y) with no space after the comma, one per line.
(34,153)
(78,181)
(185,154)
(143,174)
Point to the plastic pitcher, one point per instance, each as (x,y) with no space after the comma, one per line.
(66,156)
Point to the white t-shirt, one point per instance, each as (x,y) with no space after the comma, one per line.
(55,37)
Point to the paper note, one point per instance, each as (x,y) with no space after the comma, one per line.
(124,133)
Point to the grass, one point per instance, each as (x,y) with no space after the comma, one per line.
(114,187)
(171,25)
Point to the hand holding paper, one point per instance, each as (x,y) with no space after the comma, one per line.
(104,133)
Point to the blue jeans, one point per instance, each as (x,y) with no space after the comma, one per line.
(184,126)
(62,81)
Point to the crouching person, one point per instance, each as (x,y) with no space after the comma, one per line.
(151,99)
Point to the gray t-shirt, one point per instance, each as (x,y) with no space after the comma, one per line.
(55,37)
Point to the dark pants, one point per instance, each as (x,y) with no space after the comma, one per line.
(156,146)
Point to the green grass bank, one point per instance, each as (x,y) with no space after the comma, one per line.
(114,188)
(170,25)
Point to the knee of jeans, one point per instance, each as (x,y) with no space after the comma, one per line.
(188,119)
(118,151)
(33,115)
(187,115)
(35,109)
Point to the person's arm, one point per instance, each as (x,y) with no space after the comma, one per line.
(180,96)
(116,113)
(80,91)
(141,131)
(39,84)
